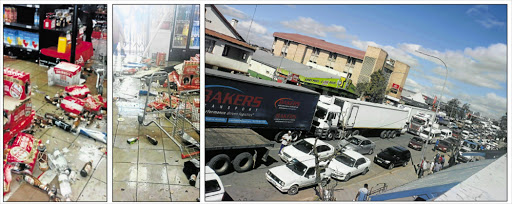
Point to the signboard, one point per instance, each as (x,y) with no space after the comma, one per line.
(231,103)
(396,86)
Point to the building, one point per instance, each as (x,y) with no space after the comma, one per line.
(225,49)
(346,62)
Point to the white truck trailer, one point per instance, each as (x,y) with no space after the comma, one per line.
(365,118)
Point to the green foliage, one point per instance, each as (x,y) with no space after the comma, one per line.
(374,90)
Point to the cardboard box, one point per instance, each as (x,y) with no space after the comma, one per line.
(16,84)
(64,74)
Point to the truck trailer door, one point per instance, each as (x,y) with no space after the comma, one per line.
(352,117)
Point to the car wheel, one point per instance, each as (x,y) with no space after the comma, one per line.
(391,166)
(405,163)
(324,182)
(365,170)
(219,163)
(293,190)
(370,152)
(243,162)
(347,177)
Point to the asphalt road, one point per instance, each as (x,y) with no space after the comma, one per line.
(252,185)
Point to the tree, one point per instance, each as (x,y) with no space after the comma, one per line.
(503,122)
(318,169)
(374,90)
(453,107)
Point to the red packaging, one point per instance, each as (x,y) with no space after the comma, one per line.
(16,84)
(94,103)
(16,111)
(196,102)
(23,150)
(7,177)
(72,104)
(79,91)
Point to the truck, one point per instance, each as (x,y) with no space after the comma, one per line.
(242,113)
(363,118)
(419,119)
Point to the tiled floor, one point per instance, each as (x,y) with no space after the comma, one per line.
(142,171)
(78,149)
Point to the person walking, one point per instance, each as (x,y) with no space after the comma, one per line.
(362,194)
(435,146)
(443,160)
(285,140)
(437,167)
(431,170)
(421,168)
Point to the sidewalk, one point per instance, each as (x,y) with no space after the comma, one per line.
(393,179)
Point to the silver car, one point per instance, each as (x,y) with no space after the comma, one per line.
(359,144)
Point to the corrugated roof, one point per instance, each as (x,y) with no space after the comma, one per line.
(227,38)
(292,66)
(322,44)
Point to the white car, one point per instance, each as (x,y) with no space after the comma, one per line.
(214,190)
(348,164)
(303,150)
(296,174)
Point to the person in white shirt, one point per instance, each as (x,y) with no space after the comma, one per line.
(285,140)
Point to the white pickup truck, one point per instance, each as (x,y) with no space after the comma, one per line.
(429,136)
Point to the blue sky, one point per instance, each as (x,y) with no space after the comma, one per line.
(471,40)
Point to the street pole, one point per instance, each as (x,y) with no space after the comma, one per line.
(439,103)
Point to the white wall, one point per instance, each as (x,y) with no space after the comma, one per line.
(325,69)
(261,68)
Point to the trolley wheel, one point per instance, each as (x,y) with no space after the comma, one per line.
(243,162)
(220,163)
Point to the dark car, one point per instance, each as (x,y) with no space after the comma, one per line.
(444,146)
(393,156)
(416,143)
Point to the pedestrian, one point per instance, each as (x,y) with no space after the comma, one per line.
(421,167)
(431,170)
(443,161)
(426,167)
(437,157)
(362,194)
(437,167)
(435,147)
(285,140)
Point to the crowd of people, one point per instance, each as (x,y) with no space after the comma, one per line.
(427,167)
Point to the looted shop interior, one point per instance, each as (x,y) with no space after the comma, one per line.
(55,120)
(156,103)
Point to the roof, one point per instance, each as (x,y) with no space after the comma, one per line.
(322,44)
(228,38)
(227,22)
(290,65)
(242,78)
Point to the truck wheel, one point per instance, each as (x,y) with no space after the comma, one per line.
(330,135)
(243,162)
(279,136)
(295,136)
(356,132)
(392,133)
(383,134)
(293,190)
(220,163)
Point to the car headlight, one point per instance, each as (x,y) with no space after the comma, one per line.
(386,161)
(281,183)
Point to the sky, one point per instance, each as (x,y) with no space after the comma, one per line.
(470,39)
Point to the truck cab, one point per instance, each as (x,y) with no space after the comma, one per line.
(445,133)
(431,136)
(418,123)
(326,119)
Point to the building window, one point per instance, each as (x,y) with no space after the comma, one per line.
(314,55)
(210,44)
(225,52)
(332,57)
(351,60)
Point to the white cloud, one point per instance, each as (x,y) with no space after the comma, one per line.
(490,104)
(255,27)
(258,35)
(481,15)
(310,26)
(233,12)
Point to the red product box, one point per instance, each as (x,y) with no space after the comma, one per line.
(72,104)
(79,91)
(16,111)
(94,103)
(16,84)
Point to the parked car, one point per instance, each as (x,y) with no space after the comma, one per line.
(446,133)
(393,156)
(296,174)
(214,190)
(453,126)
(444,146)
(348,164)
(359,144)
(416,143)
(465,159)
(303,150)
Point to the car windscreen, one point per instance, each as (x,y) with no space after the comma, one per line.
(417,139)
(418,120)
(445,143)
(211,186)
(391,151)
(345,159)
(320,112)
(303,146)
(354,140)
(297,167)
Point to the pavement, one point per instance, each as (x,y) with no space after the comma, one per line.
(252,185)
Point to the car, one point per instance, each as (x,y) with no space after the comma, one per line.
(465,158)
(214,190)
(453,126)
(303,149)
(446,133)
(359,144)
(469,144)
(393,156)
(416,143)
(290,177)
(431,136)
(348,164)
(444,146)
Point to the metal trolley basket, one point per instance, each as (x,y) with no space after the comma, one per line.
(183,118)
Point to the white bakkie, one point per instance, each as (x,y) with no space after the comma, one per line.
(349,163)
(303,150)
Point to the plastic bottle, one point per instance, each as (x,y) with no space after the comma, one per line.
(86,170)
(65,187)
